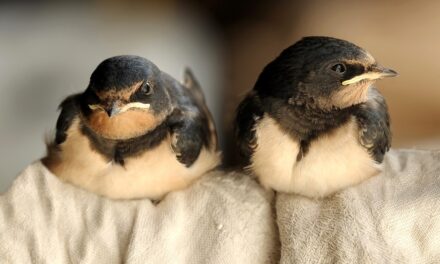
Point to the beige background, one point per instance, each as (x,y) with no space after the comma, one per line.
(402,35)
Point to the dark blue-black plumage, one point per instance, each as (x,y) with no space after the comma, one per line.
(296,89)
(182,108)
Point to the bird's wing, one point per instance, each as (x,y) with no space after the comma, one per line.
(374,125)
(248,114)
(188,136)
(69,110)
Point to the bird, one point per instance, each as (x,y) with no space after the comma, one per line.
(135,132)
(314,122)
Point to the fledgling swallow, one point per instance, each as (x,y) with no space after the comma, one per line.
(134,132)
(314,123)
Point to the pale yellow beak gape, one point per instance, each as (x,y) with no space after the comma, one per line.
(114,110)
(376,72)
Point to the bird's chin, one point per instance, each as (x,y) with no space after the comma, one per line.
(350,95)
(123,126)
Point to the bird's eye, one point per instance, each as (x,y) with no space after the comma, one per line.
(339,68)
(146,88)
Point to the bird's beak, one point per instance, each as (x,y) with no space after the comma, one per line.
(116,107)
(375,72)
(113,110)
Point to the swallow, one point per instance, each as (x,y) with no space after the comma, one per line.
(314,122)
(135,132)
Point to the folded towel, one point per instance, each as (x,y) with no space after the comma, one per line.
(391,218)
(222,218)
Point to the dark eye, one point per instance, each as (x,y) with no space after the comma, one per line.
(146,88)
(339,68)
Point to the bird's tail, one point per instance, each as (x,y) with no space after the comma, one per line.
(191,83)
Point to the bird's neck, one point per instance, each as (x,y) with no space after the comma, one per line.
(118,150)
(305,121)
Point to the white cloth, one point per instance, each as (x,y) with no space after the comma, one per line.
(227,218)
(391,218)
(223,218)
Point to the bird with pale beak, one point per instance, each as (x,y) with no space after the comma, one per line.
(314,122)
(134,132)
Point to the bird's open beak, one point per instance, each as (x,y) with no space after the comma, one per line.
(374,73)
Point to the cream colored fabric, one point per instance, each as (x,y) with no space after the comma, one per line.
(223,218)
(227,218)
(391,218)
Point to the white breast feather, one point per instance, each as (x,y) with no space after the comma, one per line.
(334,161)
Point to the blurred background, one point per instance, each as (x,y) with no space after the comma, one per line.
(48,51)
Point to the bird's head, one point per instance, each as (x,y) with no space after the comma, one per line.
(125,98)
(325,72)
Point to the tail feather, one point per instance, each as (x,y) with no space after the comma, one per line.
(190,82)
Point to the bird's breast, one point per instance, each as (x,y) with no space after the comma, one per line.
(334,160)
(151,174)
